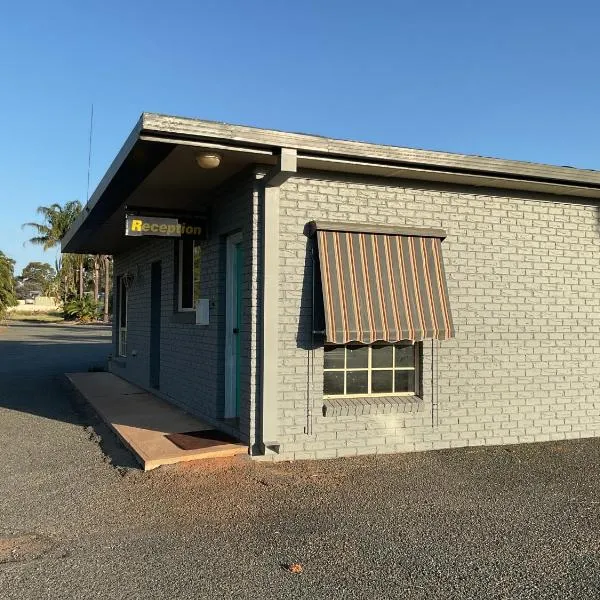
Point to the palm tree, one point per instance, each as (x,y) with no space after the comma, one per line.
(106,260)
(101,263)
(96,262)
(56,222)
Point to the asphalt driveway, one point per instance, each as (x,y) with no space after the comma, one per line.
(77,520)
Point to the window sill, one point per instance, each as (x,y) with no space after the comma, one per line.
(120,361)
(370,405)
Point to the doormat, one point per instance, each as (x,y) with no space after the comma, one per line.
(196,440)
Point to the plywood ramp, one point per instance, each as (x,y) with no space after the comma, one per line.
(142,421)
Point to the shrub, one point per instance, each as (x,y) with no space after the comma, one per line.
(7,284)
(81,309)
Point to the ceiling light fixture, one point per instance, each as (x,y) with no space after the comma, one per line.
(208,160)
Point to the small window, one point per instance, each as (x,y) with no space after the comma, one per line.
(375,370)
(122,329)
(189,274)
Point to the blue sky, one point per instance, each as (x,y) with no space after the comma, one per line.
(515,79)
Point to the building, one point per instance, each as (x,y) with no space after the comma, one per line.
(249,263)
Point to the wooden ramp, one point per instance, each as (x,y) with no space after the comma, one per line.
(143,422)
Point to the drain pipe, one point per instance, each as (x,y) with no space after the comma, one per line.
(287,165)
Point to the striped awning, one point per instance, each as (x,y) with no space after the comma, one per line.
(385,284)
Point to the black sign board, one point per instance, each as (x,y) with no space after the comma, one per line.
(173,227)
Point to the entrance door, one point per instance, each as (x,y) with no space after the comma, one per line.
(155,301)
(233,310)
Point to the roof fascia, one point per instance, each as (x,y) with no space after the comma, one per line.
(104,182)
(344,149)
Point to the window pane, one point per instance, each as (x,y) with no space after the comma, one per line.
(405,381)
(381,382)
(357,382)
(333,382)
(405,355)
(197,265)
(334,357)
(383,357)
(186,272)
(357,357)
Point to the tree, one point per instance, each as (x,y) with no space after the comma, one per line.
(64,285)
(57,220)
(97,261)
(7,283)
(71,269)
(107,263)
(36,277)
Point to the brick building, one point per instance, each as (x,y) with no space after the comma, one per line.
(337,298)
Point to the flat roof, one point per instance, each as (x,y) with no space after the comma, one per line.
(155,135)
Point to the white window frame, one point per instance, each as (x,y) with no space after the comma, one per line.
(122,330)
(369,369)
(180,307)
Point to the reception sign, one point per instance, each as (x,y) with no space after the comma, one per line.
(173,227)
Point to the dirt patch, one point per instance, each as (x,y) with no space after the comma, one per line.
(207,466)
(19,548)
(222,490)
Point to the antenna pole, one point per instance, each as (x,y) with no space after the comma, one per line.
(90,153)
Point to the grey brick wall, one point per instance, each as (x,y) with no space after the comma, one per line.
(192,357)
(523,274)
(524,282)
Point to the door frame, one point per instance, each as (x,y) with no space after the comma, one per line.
(122,302)
(233,291)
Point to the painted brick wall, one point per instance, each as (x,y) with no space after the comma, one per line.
(524,282)
(192,357)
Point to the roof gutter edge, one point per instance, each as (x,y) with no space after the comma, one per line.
(473,178)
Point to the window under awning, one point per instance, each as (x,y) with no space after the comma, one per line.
(382,283)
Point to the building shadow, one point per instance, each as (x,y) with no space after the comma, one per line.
(311,318)
(33,361)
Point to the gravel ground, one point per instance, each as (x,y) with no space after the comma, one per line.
(82,522)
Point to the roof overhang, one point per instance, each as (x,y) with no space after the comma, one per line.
(158,156)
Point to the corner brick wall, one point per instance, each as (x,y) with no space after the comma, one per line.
(524,282)
(192,356)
